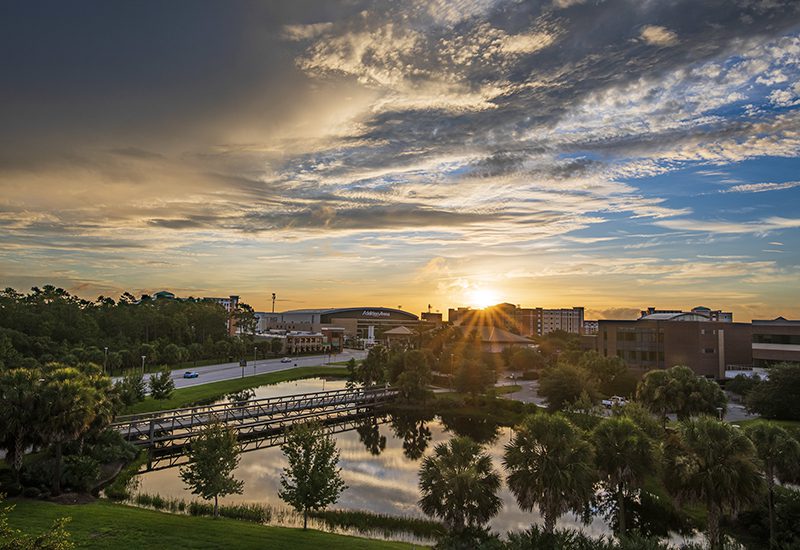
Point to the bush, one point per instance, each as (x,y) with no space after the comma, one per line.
(131,389)
(80,472)
(742,385)
(31,492)
(530,375)
(109,446)
(126,482)
(161,385)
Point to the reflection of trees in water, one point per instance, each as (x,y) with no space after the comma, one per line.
(478,428)
(370,435)
(411,427)
(645,513)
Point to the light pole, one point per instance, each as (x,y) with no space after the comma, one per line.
(105,361)
(143,358)
(254,360)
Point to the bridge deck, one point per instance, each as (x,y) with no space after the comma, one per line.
(176,427)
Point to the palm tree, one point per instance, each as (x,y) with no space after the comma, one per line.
(780,458)
(550,464)
(19,409)
(459,485)
(624,455)
(713,463)
(70,404)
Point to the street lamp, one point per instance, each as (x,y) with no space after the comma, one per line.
(143,358)
(254,360)
(105,361)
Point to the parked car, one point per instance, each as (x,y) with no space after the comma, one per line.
(614,400)
(286,360)
(191,374)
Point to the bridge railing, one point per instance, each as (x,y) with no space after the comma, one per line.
(163,425)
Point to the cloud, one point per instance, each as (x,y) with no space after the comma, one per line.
(761,187)
(658,36)
(725,227)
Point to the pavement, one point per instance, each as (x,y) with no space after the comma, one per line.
(228,371)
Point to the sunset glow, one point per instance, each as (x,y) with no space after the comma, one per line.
(384,153)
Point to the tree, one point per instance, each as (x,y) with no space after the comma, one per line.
(162,385)
(681,391)
(624,456)
(459,485)
(611,374)
(70,406)
(312,479)
(550,464)
(131,389)
(715,464)
(276,346)
(527,359)
(741,384)
(564,384)
(474,376)
(20,408)
(213,456)
(413,381)
(778,397)
(779,453)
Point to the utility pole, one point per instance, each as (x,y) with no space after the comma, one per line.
(273,302)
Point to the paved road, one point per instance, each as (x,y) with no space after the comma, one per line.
(227,371)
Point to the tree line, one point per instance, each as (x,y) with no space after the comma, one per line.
(49,324)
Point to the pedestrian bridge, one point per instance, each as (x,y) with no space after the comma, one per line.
(257,423)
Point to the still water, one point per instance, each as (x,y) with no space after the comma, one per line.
(379,463)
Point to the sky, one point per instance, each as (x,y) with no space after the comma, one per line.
(614,154)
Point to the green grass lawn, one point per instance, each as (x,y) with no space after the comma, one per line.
(114,526)
(207,393)
(794,424)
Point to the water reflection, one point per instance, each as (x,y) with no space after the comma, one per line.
(478,428)
(413,430)
(380,461)
(369,434)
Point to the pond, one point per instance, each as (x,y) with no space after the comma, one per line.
(379,461)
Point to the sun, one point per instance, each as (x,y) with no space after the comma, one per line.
(483,297)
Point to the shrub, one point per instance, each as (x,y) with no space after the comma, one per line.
(131,389)
(31,492)
(80,472)
(161,385)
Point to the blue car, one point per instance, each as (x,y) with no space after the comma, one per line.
(191,374)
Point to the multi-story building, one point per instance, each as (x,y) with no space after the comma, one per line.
(590,327)
(663,340)
(775,341)
(568,320)
(523,321)
(431,317)
(711,314)
(358,323)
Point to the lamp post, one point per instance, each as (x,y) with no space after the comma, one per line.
(143,358)
(254,359)
(105,360)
